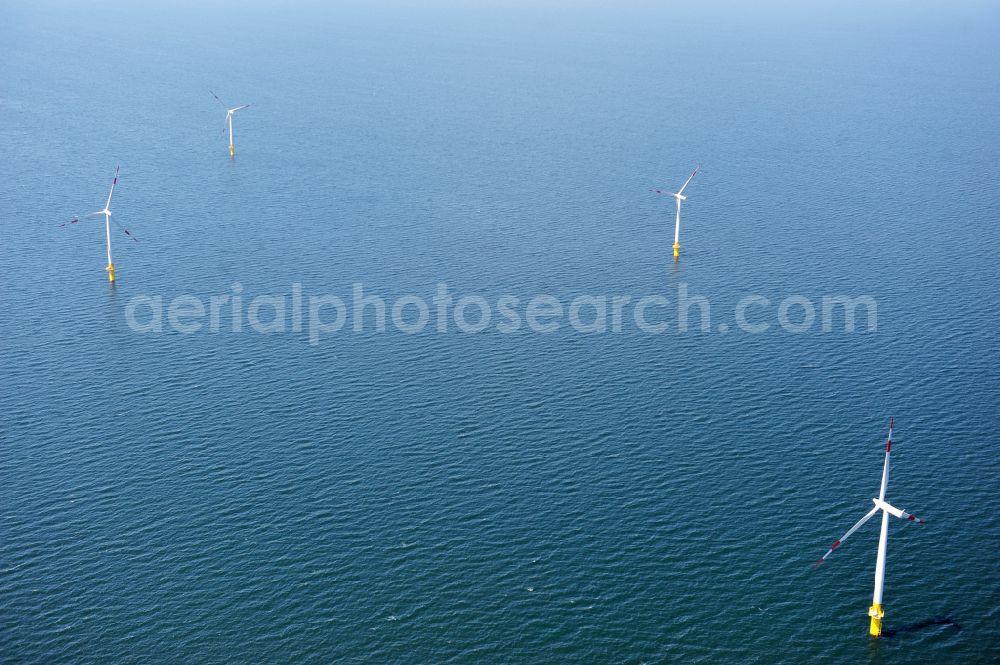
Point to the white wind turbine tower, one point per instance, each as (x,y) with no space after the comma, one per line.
(229,122)
(679,196)
(875,611)
(107,226)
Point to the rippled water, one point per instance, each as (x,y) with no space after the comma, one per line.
(240,497)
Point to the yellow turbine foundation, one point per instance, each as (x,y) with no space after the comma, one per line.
(876,613)
(232,150)
(677,249)
(111,272)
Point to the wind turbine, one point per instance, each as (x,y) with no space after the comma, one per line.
(875,611)
(679,196)
(107,226)
(229,122)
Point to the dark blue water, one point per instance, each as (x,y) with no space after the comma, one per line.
(617,497)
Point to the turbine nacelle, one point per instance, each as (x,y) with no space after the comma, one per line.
(895,512)
(679,197)
(892,510)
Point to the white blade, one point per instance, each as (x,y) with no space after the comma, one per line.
(681,190)
(76,218)
(107,206)
(885,467)
(239,108)
(127,232)
(838,543)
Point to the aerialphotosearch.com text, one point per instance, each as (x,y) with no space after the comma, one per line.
(320,316)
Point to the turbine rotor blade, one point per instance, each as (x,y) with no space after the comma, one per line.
(838,543)
(107,206)
(239,108)
(219,100)
(127,232)
(885,466)
(681,190)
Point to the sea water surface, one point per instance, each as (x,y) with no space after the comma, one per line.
(238,497)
